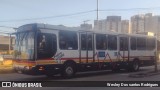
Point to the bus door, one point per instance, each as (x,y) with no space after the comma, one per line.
(123,48)
(86,47)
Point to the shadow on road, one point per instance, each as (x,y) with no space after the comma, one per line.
(78,75)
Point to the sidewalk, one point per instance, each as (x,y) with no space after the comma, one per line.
(6,69)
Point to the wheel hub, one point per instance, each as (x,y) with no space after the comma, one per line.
(69,70)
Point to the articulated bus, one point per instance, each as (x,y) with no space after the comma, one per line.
(43,49)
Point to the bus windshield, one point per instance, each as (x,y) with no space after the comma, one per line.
(24,46)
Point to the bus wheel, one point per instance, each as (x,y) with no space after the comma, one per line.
(68,70)
(135,65)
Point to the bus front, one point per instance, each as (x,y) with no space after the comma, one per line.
(24,51)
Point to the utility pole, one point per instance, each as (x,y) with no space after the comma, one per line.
(156,68)
(9,43)
(97,16)
(97,10)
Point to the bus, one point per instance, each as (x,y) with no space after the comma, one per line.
(43,49)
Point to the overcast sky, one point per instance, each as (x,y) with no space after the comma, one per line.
(13,10)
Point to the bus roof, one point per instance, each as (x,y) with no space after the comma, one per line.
(35,26)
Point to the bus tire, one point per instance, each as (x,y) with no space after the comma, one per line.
(69,70)
(135,65)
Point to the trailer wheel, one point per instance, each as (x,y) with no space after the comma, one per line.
(69,70)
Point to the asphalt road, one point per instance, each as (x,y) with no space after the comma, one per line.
(89,76)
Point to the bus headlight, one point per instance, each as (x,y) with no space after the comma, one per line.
(41,68)
(28,67)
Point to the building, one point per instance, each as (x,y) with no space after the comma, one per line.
(125,26)
(149,23)
(137,23)
(86,26)
(5,44)
(100,25)
(112,23)
(146,23)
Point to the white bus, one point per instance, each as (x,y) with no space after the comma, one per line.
(50,49)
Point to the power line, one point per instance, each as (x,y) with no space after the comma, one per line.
(65,15)
(6,31)
(131,9)
(7,27)
(78,13)
(3,31)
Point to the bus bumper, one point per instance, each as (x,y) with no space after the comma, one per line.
(39,69)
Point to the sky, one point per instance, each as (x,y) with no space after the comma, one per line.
(13,12)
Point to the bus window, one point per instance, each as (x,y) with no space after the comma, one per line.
(123,43)
(141,43)
(86,42)
(150,43)
(101,42)
(46,45)
(68,40)
(24,46)
(112,42)
(133,43)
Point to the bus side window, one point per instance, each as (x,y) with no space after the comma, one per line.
(42,43)
(83,41)
(123,43)
(141,43)
(101,42)
(112,42)
(86,42)
(133,43)
(68,40)
(150,43)
(47,45)
(90,47)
